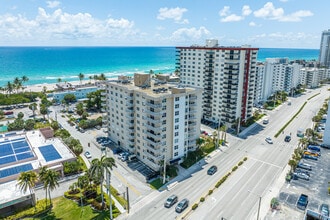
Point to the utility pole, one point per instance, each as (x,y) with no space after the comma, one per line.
(127,199)
(109,188)
(218,136)
(259,207)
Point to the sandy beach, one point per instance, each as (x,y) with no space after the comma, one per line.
(52,86)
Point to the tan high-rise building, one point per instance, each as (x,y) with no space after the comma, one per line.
(228,76)
(153,119)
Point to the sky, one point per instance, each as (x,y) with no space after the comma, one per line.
(259,23)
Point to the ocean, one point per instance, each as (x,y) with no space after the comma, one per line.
(47,64)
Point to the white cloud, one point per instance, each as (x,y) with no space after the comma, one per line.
(60,26)
(225,11)
(191,34)
(284,0)
(231,18)
(172,13)
(252,24)
(53,4)
(268,11)
(246,10)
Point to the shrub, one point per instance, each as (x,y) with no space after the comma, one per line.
(202,199)
(234,168)
(240,163)
(210,191)
(245,158)
(194,206)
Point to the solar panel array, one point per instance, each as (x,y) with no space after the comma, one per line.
(14,150)
(15,170)
(49,153)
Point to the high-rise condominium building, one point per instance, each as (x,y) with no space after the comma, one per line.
(324,57)
(227,75)
(152,119)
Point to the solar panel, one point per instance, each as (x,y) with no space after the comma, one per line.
(49,153)
(8,159)
(15,170)
(21,150)
(19,144)
(24,156)
(5,149)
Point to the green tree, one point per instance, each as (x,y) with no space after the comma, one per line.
(20,115)
(223,130)
(43,110)
(27,180)
(42,175)
(69,98)
(29,124)
(84,115)
(98,169)
(9,87)
(55,126)
(24,80)
(33,107)
(50,180)
(17,84)
(81,77)
(59,80)
(80,108)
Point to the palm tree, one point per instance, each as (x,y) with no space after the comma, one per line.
(59,80)
(102,77)
(17,84)
(27,180)
(42,176)
(9,87)
(81,77)
(223,129)
(90,79)
(24,79)
(50,181)
(97,170)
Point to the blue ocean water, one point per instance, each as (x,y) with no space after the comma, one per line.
(47,64)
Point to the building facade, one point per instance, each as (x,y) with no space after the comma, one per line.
(324,57)
(155,121)
(227,75)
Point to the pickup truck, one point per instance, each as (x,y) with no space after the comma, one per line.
(302,202)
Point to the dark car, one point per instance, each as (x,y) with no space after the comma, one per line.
(304,166)
(302,202)
(324,210)
(287,138)
(171,201)
(212,170)
(183,204)
(325,146)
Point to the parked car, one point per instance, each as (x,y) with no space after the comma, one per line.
(297,175)
(312,153)
(302,202)
(307,156)
(325,146)
(88,155)
(212,170)
(314,148)
(299,170)
(324,210)
(269,140)
(182,205)
(287,138)
(171,201)
(117,150)
(304,166)
(265,121)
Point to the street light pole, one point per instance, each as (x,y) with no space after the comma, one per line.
(164,175)
(258,204)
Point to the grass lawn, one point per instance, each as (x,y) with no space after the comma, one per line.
(157,183)
(67,209)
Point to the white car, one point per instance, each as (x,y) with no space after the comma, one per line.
(88,155)
(269,140)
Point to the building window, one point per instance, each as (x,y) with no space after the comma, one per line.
(176,134)
(176,120)
(176,112)
(176,154)
(176,147)
(177,98)
(176,127)
(176,140)
(177,106)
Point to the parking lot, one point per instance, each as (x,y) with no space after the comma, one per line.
(142,171)
(316,187)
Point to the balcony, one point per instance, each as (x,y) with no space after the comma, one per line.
(129,110)
(152,155)
(104,93)
(151,134)
(156,112)
(154,105)
(103,98)
(129,116)
(153,126)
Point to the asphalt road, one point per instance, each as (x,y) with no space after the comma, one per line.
(239,196)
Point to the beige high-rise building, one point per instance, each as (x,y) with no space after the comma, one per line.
(152,119)
(228,76)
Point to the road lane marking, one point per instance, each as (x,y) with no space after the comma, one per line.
(121,178)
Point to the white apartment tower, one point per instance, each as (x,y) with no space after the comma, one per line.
(324,57)
(227,75)
(154,120)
